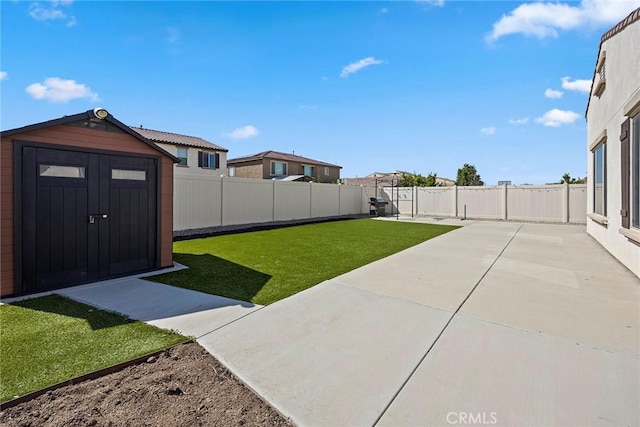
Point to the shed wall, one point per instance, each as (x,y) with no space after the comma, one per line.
(82,138)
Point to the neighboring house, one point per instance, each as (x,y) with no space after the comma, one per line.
(84,198)
(445,182)
(196,155)
(387,179)
(613,143)
(283,166)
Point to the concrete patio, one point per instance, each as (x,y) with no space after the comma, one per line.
(494,323)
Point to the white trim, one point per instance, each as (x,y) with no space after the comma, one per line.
(598,140)
(599,219)
(601,60)
(633,105)
(286,172)
(630,234)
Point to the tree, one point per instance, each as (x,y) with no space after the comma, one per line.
(566,178)
(417,180)
(467,175)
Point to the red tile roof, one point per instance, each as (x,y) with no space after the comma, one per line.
(630,19)
(176,139)
(279,156)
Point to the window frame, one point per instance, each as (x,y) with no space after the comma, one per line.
(272,168)
(204,160)
(326,171)
(64,171)
(602,144)
(601,81)
(634,157)
(182,163)
(313,170)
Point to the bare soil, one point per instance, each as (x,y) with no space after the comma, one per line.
(184,386)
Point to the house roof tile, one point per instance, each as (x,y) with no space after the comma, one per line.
(279,156)
(176,139)
(630,19)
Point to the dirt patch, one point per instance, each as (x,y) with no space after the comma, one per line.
(184,386)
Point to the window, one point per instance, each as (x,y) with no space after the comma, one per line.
(232,171)
(635,171)
(62,171)
(308,170)
(132,175)
(208,160)
(182,156)
(600,179)
(600,80)
(326,171)
(278,168)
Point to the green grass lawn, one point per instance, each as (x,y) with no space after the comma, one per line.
(51,339)
(265,266)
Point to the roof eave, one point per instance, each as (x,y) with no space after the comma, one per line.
(89,114)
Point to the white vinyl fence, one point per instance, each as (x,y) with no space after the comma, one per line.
(204,201)
(560,203)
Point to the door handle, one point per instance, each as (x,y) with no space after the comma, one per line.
(92,218)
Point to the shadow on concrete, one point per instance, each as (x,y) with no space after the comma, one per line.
(216,276)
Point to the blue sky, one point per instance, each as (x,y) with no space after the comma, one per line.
(420,86)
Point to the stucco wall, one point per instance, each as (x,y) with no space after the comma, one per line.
(192,161)
(249,170)
(295,168)
(606,113)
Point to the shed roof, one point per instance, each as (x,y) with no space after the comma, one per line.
(279,156)
(91,117)
(177,139)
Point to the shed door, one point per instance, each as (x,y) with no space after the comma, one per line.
(85,216)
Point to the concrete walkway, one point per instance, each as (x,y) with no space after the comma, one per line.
(494,323)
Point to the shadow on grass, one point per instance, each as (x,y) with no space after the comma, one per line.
(213,275)
(56,304)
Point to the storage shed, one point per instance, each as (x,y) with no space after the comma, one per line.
(84,198)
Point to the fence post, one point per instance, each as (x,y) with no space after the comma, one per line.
(310,199)
(221,200)
(273,203)
(415,198)
(455,201)
(339,199)
(504,202)
(565,202)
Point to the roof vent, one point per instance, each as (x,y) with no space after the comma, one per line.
(100,113)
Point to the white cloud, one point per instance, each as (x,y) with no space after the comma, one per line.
(354,67)
(243,132)
(55,89)
(557,118)
(52,11)
(431,3)
(521,121)
(553,94)
(488,131)
(547,19)
(308,107)
(579,85)
(4,75)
